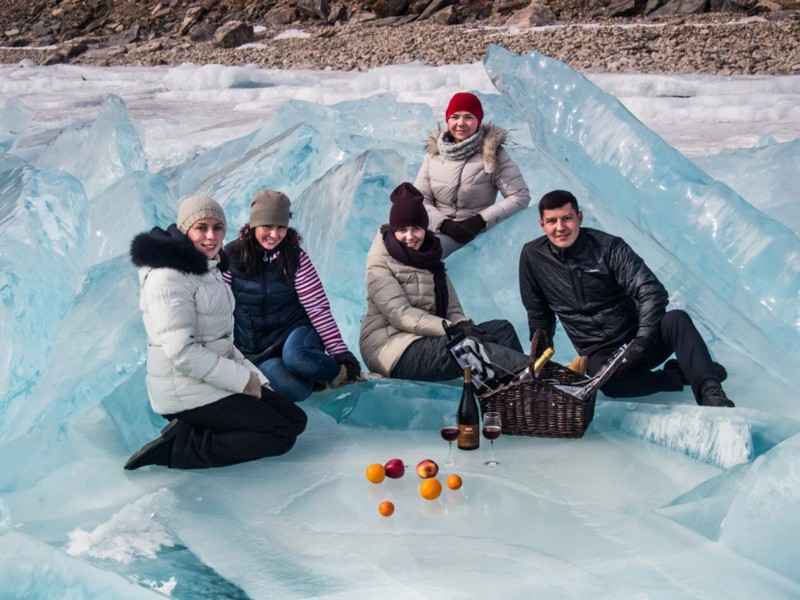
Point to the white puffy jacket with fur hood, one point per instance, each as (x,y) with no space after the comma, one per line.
(458,189)
(188,316)
(401,308)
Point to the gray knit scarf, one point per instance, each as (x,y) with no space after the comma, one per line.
(452,150)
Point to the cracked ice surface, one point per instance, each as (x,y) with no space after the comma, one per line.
(659,499)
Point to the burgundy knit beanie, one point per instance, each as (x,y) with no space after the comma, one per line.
(407,208)
(465,102)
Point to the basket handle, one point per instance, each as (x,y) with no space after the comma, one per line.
(539,343)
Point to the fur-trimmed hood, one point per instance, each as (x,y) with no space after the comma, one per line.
(493,139)
(171,249)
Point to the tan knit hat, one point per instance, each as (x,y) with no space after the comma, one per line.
(199,207)
(270,207)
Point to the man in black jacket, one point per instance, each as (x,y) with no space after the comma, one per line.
(605,296)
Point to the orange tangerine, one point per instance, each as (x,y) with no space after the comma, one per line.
(386,508)
(430,488)
(375,473)
(454,482)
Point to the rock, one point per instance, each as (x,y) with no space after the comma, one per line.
(504,7)
(69,51)
(338,12)
(652,5)
(622,8)
(433,7)
(387,8)
(233,34)
(681,7)
(728,6)
(281,16)
(534,15)
(201,32)
(769,6)
(54,58)
(193,15)
(318,9)
(446,16)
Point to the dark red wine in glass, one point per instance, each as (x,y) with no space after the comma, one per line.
(492,432)
(492,428)
(449,434)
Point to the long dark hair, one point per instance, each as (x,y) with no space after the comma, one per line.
(252,253)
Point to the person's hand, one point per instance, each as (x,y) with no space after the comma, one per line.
(350,363)
(468,328)
(475,224)
(637,352)
(457,231)
(253,387)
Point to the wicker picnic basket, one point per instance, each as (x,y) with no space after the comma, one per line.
(536,407)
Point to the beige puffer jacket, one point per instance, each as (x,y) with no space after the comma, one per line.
(400,308)
(461,189)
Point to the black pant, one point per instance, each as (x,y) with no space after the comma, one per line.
(428,359)
(677,334)
(236,429)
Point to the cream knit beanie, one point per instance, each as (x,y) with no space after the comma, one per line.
(198,207)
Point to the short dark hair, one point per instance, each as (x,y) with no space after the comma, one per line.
(557,199)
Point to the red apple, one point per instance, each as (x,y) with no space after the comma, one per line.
(427,468)
(395,468)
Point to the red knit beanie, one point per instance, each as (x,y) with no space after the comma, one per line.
(407,208)
(465,102)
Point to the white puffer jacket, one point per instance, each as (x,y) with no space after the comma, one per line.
(188,316)
(458,189)
(401,308)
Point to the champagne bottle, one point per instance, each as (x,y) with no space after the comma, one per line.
(469,417)
(540,362)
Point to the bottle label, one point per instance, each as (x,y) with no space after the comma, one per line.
(469,437)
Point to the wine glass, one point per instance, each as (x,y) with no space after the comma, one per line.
(449,432)
(491,431)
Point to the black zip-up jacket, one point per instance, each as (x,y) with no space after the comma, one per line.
(599,288)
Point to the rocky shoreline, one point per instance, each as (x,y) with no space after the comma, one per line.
(712,43)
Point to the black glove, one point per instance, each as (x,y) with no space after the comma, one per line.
(350,363)
(468,328)
(639,350)
(475,224)
(457,231)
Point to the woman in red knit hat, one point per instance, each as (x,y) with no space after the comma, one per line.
(464,168)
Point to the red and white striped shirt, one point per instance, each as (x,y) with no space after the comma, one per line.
(314,300)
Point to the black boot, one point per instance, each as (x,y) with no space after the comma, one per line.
(712,394)
(157,452)
(672,365)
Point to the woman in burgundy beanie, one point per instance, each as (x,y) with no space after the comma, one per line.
(464,168)
(412,306)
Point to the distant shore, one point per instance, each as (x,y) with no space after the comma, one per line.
(720,44)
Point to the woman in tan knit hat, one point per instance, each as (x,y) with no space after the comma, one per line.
(284,323)
(218,410)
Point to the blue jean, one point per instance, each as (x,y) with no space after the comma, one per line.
(303,361)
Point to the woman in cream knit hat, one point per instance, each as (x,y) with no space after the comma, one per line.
(218,410)
(284,323)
